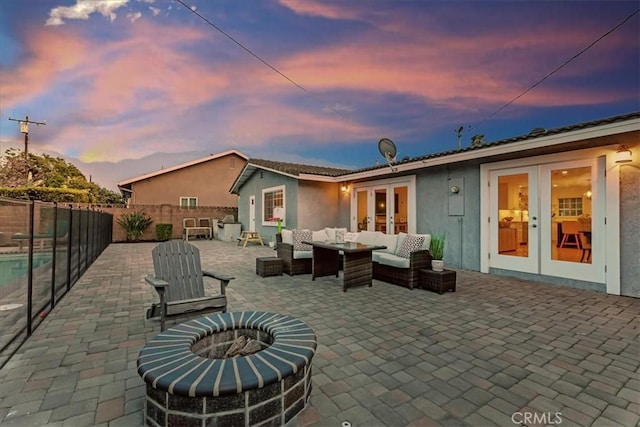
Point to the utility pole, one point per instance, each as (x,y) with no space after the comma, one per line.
(24,128)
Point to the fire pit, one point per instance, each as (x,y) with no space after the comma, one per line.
(188,383)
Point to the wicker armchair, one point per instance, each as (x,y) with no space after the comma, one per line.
(407,277)
(291,265)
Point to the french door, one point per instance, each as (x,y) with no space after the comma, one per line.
(549,219)
(386,206)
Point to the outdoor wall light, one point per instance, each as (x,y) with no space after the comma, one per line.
(623,154)
(344,188)
(454,189)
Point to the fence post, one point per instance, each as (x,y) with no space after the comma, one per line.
(53,255)
(30,268)
(69,247)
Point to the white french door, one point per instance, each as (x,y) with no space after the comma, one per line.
(549,219)
(387,206)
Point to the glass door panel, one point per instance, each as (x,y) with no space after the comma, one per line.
(513,215)
(381,218)
(400,209)
(573,199)
(514,219)
(363,217)
(571,214)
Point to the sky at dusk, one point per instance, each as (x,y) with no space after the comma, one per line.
(308,81)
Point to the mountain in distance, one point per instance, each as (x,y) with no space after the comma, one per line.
(108,174)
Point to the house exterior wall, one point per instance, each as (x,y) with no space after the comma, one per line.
(209,181)
(318,205)
(434,215)
(463,245)
(253,187)
(630,227)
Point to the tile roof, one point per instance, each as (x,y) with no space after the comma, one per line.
(297,169)
(535,133)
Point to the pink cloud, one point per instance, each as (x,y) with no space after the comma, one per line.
(489,68)
(47,54)
(150,90)
(324,9)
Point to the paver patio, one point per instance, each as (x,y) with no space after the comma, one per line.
(386,356)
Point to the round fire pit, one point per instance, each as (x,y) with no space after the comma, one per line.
(190,383)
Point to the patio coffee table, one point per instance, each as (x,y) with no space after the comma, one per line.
(358,266)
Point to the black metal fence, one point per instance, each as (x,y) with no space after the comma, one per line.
(44,249)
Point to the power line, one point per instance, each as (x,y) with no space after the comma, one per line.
(250,52)
(557,69)
(246,49)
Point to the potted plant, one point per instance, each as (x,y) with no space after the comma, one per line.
(437,251)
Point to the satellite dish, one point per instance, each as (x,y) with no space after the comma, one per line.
(388,150)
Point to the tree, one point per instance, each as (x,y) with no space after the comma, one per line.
(51,172)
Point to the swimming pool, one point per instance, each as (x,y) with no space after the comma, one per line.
(14,266)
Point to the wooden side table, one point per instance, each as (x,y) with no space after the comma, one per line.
(437,281)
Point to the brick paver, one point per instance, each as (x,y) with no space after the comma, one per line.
(386,355)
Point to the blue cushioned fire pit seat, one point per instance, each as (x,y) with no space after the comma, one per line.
(279,372)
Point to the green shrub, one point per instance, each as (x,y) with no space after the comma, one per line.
(134,224)
(47,194)
(164,231)
(437,246)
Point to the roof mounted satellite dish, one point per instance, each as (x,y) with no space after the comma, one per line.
(388,150)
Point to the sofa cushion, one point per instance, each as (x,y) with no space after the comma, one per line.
(302,254)
(392,260)
(298,237)
(319,236)
(411,243)
(368,237)
(388,240)
(287,236)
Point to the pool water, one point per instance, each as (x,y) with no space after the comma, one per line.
(14,266)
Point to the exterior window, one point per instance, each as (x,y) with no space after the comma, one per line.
(570,206)
(188,202)
(273,205)
(232,162)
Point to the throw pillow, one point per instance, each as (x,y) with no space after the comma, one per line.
(351,237)
(319,236)
(287,236)
(331,233)
(410,244)
(298,237)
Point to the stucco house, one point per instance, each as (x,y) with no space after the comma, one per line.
(201,182)
(527,206)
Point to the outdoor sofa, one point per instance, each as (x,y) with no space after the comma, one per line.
(399,263)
